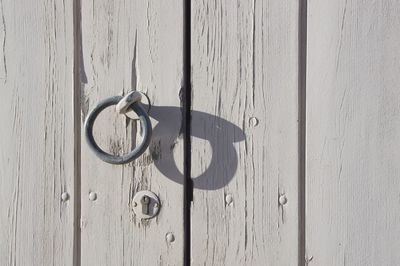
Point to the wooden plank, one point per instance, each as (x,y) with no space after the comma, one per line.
(132,45)
(353,131)
(37,133)
(245,132)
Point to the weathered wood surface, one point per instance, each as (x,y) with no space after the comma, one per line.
(132,45)
(36,136)
(245,132)
(353,132)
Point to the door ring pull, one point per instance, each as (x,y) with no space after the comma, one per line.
(137,151)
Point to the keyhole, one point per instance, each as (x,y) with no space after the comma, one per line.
(145,204)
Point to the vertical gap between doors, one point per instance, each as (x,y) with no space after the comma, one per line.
(302,129)
(187,93)
(77,37)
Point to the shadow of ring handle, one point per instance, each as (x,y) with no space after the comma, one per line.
(125,158)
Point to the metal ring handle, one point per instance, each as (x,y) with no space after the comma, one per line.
(135,153)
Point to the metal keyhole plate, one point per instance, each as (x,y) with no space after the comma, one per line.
(152,208)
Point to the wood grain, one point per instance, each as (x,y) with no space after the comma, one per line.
(37,133)
(132,45)
(353,132)
(245,132)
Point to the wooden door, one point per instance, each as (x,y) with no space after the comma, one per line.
(275,132)
(38,132)
(124,46)
(60,204)
(353,131)
(245,133)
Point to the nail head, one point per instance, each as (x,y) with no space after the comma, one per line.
(253,121)
(64,196)
(92,196)
(170,237)
(282,200)
(228,199)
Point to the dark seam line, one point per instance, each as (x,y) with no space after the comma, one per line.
(302,35)
(187,91)
(77,37)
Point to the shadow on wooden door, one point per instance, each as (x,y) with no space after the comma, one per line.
(224,158)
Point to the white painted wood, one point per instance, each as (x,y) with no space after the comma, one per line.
(245,132)
(36,136)
(132,45)
(353,132)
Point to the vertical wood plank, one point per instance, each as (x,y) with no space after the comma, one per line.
(245,132)
(129,45)
(353,132)
(37,133)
